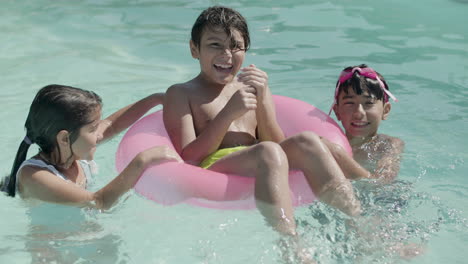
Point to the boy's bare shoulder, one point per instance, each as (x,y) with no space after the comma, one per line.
(391,142)
(185,88)
(178,88)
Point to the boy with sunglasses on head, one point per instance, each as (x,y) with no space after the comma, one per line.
(361,103)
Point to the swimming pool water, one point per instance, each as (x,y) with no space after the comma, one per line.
(125,50)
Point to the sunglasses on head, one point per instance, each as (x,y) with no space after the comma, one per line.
(365,72)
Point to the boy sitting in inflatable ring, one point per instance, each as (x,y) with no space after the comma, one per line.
(226,123)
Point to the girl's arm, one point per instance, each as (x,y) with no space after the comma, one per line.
(43,185)
(351,169)
(125,117)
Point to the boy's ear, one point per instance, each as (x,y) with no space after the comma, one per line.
(63,138)
(194,50)
(335,110)
(386,110)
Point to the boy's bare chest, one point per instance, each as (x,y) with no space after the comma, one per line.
(368,155)
(240,132)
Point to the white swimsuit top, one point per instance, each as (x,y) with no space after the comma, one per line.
(89,168)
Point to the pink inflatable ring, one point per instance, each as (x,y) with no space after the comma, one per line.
(171,183)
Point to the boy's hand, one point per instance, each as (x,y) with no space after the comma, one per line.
(256,78)
(242,101)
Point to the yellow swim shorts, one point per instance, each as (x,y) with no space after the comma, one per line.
(215,156)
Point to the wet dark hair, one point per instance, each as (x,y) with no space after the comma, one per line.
(55,108)
(224,18)
(360,84)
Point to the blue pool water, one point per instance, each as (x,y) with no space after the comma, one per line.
(125,50)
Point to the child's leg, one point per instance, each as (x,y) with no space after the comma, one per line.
(306,152)
(266,162)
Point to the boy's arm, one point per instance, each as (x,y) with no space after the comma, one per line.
(268,128)
(389,165)
(125,117)
(178,120)
(351,169)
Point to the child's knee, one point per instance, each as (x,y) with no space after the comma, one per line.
(270,154)
(309,142)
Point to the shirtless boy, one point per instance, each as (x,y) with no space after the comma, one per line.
(226,123)
(361,103)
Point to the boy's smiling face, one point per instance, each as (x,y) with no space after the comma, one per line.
(220,56)
(361,114)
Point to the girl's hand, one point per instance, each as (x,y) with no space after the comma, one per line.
(159,154)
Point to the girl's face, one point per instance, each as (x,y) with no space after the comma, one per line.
(85,145)
(361,114)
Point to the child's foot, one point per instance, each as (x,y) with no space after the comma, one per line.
(408,251)
(293,253)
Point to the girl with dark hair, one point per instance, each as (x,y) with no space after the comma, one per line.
(65,122)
